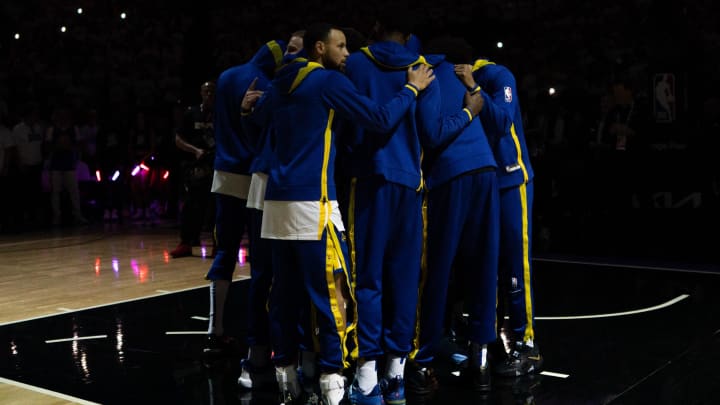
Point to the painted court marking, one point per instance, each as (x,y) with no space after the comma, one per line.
(200,318)
(610,315)
(67,310)
(615,314)
(599,263)
(552,374)
(187,332)
(545,373)
(46,392)
(75,338)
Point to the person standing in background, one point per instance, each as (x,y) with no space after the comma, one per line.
(196,137)
(62,141)
(28,136)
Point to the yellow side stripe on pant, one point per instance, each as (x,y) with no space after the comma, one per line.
(335,260)
(423,278)
(529,331)
(351,239)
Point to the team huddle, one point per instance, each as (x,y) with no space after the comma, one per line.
(380,189)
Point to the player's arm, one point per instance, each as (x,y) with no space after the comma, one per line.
(344,97)
(257,108)
(181,138)
(437,129)
(496,114)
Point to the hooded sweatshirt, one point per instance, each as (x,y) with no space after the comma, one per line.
(235,152)
(470,150)
(300,107)
(502,120)
(379,71)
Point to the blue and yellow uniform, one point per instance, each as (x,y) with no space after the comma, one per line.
(301,210)
(502,120)
(386,223)
(463,223)
(231,181)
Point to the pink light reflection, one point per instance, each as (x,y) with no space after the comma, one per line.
(241,256)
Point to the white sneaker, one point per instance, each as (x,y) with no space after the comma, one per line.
(332,388)
(245,380)
(288,383)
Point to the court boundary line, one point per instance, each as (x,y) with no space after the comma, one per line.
(47,392)
(70,311)
(599,263)
(75,339)
(665,304)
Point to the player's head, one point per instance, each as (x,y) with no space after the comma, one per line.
(456,49)
(355,39)
(393,23)
(326,44)
(207,92)
(295,44)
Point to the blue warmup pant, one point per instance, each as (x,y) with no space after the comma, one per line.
(231,220)
(260,282)
(386,229)
(463,232)
(304,274)
(515,275)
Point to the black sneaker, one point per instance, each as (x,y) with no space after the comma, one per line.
(421,383)
(218,345)
(521,360)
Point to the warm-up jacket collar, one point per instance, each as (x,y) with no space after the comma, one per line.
(392,55)
(480,63)
(291,75)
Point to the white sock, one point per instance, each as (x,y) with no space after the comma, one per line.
(218,296)
(288,380)
(529,343)
(332,388)
(366,376)
(395,367)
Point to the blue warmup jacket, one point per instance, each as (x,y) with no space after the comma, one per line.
(234,153)
(502,120)
(461,153)
(260,138)
(379,71)
(300,106)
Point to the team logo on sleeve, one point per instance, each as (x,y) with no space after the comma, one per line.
(508,94)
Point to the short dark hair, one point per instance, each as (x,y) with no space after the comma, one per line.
(456,49)
(317,32)
(394,18)
(355,39)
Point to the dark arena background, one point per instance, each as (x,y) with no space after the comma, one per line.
(626,248)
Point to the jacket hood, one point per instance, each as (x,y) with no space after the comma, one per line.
(392,55)
(270,56)
(481,63)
